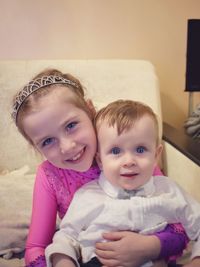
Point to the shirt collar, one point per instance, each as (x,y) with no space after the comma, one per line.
(115,192)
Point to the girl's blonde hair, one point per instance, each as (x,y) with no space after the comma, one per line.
(123,114)
(28,104)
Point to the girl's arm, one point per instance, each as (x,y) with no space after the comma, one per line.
(132,250)
(43,221)
(173,241)
(127,249)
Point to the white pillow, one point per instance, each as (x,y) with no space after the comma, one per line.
(16,200)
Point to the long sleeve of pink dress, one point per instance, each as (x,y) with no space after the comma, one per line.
(53,191)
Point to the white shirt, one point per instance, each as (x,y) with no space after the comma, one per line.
(99,207)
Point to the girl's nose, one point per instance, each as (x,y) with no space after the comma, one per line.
(66,146)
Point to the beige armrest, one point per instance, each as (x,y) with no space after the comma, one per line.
(181,169)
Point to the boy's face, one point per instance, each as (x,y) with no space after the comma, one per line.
(128,159)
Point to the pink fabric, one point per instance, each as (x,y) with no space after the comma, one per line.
(173,241)
(157,171)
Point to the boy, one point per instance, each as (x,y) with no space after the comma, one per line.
(126,196)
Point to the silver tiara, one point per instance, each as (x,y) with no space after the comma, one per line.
(35,85)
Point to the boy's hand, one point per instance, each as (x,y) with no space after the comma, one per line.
(60,260)
(194,263)
(160,263)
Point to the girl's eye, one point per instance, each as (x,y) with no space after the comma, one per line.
(115,150)
(71,125)
(140,149)
(47,142)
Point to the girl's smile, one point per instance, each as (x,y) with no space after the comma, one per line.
(77,157)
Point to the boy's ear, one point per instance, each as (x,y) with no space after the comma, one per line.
(159,150)
(91,106)
(98,160)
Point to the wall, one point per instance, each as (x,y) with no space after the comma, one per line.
(155,30)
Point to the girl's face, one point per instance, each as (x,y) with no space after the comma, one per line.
(62,132)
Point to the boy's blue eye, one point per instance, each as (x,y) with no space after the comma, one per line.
(47,142)
(140,149)
(71,125)
(115,150)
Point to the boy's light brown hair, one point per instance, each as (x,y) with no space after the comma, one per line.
(123,114)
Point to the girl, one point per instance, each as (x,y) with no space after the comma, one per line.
(52,114)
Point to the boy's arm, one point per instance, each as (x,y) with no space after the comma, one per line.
(60,260)
(194,263)
(65,247)
(65,241)
(62,248)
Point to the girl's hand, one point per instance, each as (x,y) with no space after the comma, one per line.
(127,249)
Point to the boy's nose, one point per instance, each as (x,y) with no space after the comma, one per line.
(129,161)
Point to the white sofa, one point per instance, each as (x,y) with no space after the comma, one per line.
(105,80)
